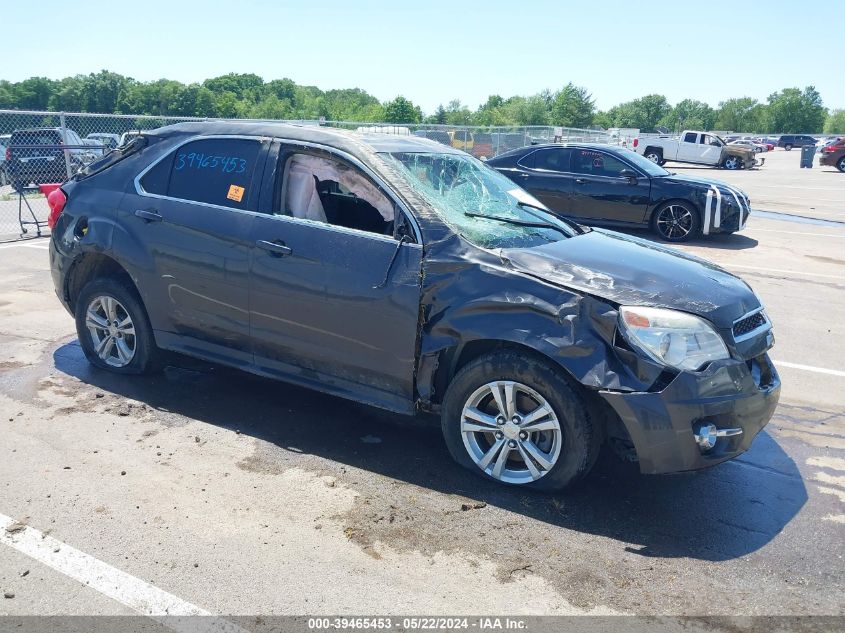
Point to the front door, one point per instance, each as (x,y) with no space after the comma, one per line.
(194,215)
(710,150)
(334,295)
(602,192)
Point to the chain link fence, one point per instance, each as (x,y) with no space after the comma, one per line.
(482,141)
(39,149)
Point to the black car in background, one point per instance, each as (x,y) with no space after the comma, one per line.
(37,155)
(788,141)
(601,184)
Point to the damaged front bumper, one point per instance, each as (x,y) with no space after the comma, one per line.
(730,394)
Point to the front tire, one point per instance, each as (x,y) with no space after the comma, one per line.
(732,162)
(113,328)
(676,222)
(514,419)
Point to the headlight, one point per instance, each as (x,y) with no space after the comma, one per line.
(672,338)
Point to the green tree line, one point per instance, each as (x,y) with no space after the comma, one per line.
(250,96)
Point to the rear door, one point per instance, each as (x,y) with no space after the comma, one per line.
(193,212)
(545,174)
(601,192)
(332,306)
(689,148)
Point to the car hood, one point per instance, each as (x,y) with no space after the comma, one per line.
(704,183)
(739,150)
(630,271)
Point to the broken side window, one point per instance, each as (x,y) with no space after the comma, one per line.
(327,190)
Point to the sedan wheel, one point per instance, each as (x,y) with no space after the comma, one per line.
(841,164)
(675,223)
(511,432)
(112,331)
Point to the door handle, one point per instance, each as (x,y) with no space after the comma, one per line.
(523,175)
(148,216)
(276,249)
(580,181)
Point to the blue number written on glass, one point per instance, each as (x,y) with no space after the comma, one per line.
(226,164)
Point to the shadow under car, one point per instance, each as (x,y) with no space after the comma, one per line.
(718,514)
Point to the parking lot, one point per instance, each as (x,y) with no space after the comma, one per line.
(207,490)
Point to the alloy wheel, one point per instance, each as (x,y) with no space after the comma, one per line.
(732,162)
(511,432)
(653,157)
(674,222)
(112,331)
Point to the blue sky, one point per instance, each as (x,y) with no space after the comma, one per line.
(432,52)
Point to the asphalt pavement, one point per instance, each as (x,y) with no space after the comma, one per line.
(207,490)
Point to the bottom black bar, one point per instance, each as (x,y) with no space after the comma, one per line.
(408,624)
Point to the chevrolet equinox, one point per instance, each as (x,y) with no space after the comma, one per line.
(404,274)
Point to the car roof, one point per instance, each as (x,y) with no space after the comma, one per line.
(601,146)
(334,137)
(38,129)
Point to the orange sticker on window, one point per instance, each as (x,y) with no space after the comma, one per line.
(235,193)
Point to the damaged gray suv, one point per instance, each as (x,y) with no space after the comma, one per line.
(404,274)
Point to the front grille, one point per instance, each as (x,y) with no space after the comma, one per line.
(749,324)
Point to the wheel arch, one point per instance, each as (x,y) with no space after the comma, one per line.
(93,265)
(453,359)
(654,148)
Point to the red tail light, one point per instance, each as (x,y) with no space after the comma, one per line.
(636,142)
(56,200)
(829,148)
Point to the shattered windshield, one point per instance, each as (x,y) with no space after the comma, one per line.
(478,203)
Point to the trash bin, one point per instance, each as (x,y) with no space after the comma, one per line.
(807,154)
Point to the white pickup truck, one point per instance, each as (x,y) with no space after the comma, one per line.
(700,148)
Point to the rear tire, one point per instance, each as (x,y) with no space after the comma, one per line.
(548,443)
(654,156)
(113,328)
(841,164)
(787,147)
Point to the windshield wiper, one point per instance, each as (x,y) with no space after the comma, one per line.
(501,218)
(531,206)
(575,226)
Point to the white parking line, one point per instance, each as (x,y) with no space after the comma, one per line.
(781,270)
(42,245)
(109,581)
(817,370)
(755,230)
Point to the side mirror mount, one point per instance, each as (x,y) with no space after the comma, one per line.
(629,175)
